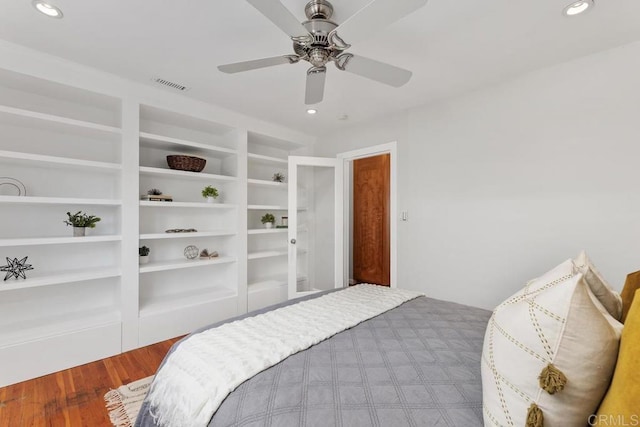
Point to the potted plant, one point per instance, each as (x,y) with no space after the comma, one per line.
(278,177)
(210,193)
(80,221)
(143,252)
(268,220)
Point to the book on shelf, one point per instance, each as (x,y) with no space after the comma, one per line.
(157,197)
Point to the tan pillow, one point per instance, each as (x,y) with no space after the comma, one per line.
(609,298)
(552,334)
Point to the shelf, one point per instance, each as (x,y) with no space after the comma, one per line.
(271,208)
(150,204)
(265,284)
(270,284)
(172,302)
(267,230)
(184,263)
(267,159)
(145,170)
(66,162)
(267,254)
(267,208)
(50,118)
(60,278)
(266,183)
(57,201)
(57,240)
(38,329)
(155,236)
(169,143)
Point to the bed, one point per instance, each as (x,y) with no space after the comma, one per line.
(416,364)
(555,353)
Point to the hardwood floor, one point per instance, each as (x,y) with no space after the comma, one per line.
(74,397)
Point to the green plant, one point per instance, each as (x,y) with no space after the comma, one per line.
(143,251)
(268,218)
(210,191)
(80,219)
(278,177)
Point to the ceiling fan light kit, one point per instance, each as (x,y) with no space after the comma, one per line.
(318,41)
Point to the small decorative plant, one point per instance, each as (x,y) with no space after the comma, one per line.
(154,192)
(143,252)
(278,177)
(210,193)
(80,219)
(268,220)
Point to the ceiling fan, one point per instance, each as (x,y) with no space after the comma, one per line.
(320,41)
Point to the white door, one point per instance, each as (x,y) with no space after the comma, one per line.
(316,261)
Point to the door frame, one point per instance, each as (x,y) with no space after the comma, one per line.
(347,157)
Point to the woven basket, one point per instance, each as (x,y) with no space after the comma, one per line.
(186,163)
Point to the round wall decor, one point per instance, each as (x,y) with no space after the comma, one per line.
(11,187)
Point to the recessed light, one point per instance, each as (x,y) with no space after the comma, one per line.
(311,111)
(47,9)
(578,7)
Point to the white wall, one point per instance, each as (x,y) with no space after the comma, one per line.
(504,183)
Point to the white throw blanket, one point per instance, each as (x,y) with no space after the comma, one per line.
(205,368)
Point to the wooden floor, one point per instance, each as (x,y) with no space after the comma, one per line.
(75,397)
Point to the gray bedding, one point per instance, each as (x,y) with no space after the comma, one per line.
(415,365)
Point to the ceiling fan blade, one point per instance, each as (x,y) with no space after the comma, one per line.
(258,63)
(315,85)
(374,70)
(277,13)
(374,16)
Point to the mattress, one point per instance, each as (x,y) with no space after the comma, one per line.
(415,365)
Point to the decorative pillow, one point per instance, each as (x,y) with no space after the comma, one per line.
(609,298)
(549,353)
(621,405)
(630,286)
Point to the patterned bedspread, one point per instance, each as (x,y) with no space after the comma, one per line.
(415,365)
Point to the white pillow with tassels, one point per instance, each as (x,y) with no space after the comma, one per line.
(549,353)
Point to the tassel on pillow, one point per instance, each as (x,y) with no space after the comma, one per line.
(534,416)
(552,380)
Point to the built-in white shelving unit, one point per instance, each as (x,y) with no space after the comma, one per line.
(267,248)
(63,144)
(76,148)
(170,284)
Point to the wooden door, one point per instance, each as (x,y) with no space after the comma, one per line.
(371,222)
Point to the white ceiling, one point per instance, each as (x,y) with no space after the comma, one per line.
(451,47)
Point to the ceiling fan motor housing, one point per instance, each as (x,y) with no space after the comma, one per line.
(319,25)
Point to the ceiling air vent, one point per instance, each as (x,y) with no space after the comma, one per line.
(170,84)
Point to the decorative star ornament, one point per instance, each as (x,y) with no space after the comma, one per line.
(15,268)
